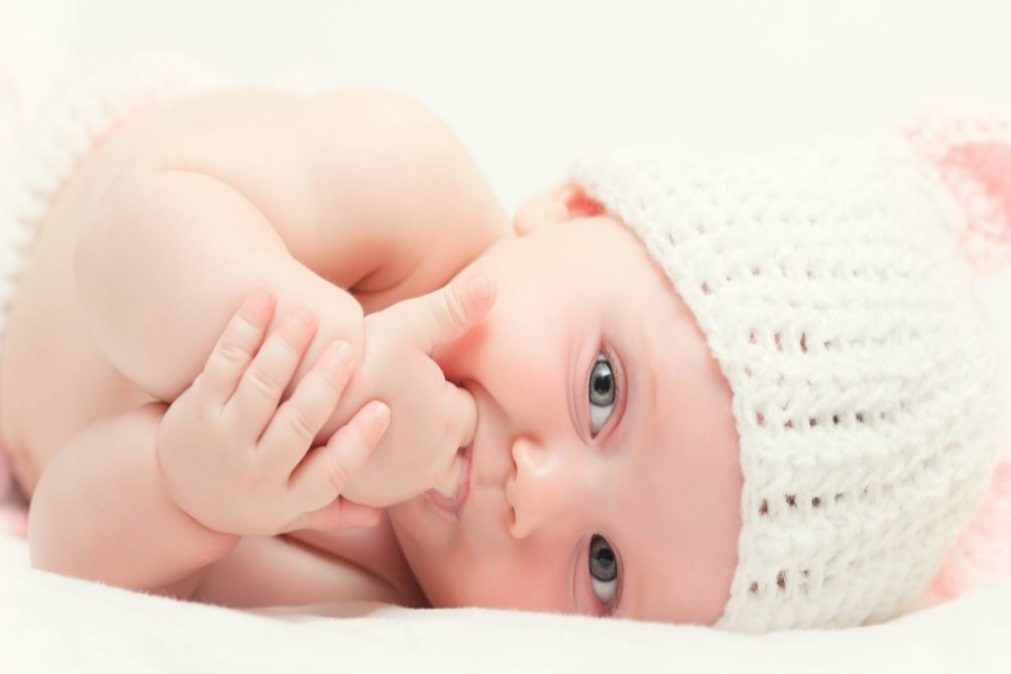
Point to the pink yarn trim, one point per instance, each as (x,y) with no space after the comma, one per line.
(13,517)
(970,144)
(13,522)
(6,473)
(971,147)
(983,550)
(979,176)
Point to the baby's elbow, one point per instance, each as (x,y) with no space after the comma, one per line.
(97,246)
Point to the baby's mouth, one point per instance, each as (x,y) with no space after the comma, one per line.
(450,494)
(452,478)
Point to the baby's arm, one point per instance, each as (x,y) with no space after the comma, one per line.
(226,453)
(355,190)
(177,241)
(166,258)
(160,292)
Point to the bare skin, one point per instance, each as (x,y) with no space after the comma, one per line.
(44,408)
(370,194)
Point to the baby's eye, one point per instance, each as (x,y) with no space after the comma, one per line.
(603,569)
(603,393)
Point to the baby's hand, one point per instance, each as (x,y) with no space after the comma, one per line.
(432,418)
(237,462)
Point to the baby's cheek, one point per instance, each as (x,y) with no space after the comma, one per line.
(528,578)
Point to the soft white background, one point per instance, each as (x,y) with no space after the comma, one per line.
(525,83)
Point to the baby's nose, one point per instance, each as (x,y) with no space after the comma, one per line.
(545,487)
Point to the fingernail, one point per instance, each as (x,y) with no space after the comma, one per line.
(260,296)
(379,418)
(337,356)
(256,308)
(305,317)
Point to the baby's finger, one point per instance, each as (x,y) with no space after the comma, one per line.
(293,429)
(327,470)
(338,514)
(447,314)
(235,348)
(461,411)
(256,399)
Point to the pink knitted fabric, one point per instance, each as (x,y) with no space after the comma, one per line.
(971,147)
(71,118)
(13,108)
(13,515)
(983,550)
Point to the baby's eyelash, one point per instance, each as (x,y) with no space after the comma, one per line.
(608,609)
(619,382)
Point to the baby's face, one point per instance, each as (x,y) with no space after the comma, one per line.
(605,463)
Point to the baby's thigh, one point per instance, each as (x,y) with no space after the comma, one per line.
(29,461)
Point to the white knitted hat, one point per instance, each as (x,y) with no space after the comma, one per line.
(869,396)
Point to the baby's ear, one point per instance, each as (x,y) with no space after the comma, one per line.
(971,147)
(558,204)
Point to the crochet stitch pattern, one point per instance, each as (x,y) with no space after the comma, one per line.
(868,394)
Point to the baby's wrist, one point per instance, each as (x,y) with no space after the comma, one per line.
(170,488)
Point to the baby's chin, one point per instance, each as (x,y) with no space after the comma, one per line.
(420,551)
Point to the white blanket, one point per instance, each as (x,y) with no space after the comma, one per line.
(50,623)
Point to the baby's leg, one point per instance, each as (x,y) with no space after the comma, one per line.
(100,512)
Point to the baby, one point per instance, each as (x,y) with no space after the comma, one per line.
(666,390)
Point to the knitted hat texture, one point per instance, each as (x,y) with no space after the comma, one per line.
(869,395)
